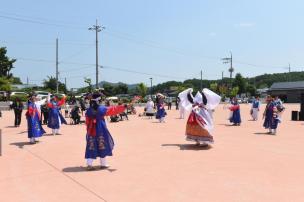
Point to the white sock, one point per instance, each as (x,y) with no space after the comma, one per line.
(32,139)
(90,162)
(103,161)
(54,131)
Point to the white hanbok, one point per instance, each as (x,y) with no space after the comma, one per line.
(200,121)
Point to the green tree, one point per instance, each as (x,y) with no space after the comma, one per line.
(213,87)
(89,82)
(223,90)
(234,91)
(239,82)
(121,88)
(16,80)
(5,84)
(251,90)
(142,89)
(6,64)
(50,84)
(109,89)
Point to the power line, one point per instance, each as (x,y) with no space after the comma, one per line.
(142,73)
(38,22)
(117,34)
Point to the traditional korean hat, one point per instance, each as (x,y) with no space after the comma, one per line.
(96,97)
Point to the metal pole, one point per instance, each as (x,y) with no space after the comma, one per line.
(231,66)
(57,65)
(96,31)
(201,79)
(151,88)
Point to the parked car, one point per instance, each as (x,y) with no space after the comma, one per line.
(42,94)
(18,93)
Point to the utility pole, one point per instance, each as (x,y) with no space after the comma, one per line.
(222,76)
(27,80)
(201,79)
(65,83)
(97,28)
(231,69)
(289,67)
(151,88)
(57,65)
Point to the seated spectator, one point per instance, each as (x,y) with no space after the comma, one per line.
(75,115)
(149,109)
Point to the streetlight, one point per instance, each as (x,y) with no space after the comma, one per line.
(151,88)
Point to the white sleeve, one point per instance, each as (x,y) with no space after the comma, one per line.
(184,102)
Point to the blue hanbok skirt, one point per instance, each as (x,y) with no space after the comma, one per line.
(236,117)
(100,145)
(53,119)
(34,127)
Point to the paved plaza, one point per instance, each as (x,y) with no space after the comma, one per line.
(153,162)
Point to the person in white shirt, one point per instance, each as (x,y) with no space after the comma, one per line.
(150,109)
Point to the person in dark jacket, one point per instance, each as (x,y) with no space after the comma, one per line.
(17,106)
(44,113)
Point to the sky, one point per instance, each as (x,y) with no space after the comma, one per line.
(160,39)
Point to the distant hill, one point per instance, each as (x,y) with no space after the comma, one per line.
(130,86)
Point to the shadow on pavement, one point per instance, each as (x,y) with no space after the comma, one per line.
(188,146)
(21,144)
(78,169)
(264,133)
(51,134)
(10,127)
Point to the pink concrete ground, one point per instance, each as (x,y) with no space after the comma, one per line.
(153,162)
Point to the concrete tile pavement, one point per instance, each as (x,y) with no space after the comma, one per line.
(153,162)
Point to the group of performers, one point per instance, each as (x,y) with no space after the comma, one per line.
(99,142)
(33,116)
(272,113)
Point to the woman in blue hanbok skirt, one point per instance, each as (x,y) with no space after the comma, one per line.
(161,112)
(271,116)
(99,140)
(35,129)
(236,113)
(55,118)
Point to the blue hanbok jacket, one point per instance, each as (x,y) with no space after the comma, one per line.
(33,121)
(99,140)
(55,115)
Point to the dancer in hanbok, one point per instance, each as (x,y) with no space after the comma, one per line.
(200,123)
(255,108)
(271,115)
(55,118)
(236,115)
(161,112)
(34,127)
(99,140)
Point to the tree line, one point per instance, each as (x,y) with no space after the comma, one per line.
(225,87)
